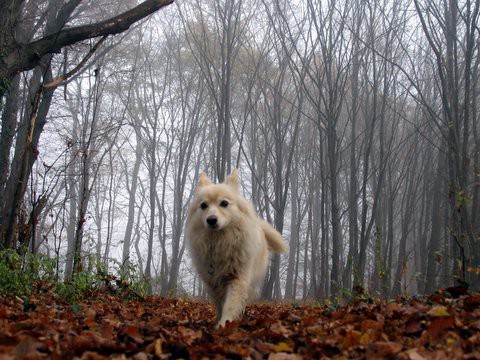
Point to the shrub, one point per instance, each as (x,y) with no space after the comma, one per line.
(22,275)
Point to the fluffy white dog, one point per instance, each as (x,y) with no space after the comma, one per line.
(229,245)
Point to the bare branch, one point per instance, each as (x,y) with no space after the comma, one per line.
(57,81)
(28,56)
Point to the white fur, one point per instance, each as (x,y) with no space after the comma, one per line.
(231,258)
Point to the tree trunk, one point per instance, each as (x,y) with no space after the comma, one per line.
(132,190)
(436,227)
(151,231)
(25,154)
(294,238)
(72,196)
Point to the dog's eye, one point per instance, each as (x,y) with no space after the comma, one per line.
(224,203)
(203,205)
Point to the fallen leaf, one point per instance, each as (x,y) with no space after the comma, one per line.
(475,325)
(265,348)
(368,337)
(158,347)
(414,355)
(189,335)
(92,355)
(452,339)
(27,349)
(351,339)
(438,327)
(372,325)
(140,356)
(382,350)
(284,356)
(280,329)
(439,311)
(413,326)
(472,301)
(133,332)
(283,347)
(90,313)
(4,312)
(112,328)
(392,309)
(90,322)
(236,350)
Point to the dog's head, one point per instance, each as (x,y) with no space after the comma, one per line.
(216,206)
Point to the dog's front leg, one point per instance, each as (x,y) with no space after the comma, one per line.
(217,292)
(218,309)
(235,301)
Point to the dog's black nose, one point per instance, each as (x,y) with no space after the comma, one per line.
(212,221)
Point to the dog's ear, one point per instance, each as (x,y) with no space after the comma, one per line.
(245,207)
(233,181)
(203,180)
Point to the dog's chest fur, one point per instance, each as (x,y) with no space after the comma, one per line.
(224,255)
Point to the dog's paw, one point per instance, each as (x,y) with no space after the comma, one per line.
(226,323)
(222,323)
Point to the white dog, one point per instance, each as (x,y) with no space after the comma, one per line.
(229,245)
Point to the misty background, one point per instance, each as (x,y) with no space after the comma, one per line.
(354,126)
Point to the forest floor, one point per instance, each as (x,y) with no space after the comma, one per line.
(441,326)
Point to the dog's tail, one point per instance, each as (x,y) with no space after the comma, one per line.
(274,239)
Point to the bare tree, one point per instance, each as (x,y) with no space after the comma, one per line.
(215,40)
(20,53)
(89,156)
(188,130)
(451,29)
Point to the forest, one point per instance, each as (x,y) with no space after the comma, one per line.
(354,126)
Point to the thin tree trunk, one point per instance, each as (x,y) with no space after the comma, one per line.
(436,228)
(132,190)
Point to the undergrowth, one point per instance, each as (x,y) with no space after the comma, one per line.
(26,274)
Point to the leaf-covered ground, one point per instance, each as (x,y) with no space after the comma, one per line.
(436,327)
